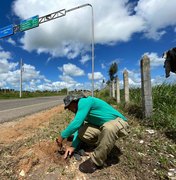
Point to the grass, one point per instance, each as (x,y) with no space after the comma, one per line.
(154,152)
(164,102)
(7,94)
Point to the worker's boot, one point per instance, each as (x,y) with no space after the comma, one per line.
(88,166)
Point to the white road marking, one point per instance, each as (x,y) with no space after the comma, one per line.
(27,106)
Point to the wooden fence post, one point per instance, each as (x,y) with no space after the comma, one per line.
(126,85)
(147,104)
(117,90)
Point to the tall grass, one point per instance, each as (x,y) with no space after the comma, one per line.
(164,102)
(105,95)
(164,105)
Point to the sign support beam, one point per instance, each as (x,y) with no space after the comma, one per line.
(52,16)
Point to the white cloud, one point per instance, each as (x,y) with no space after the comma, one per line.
(11,41)
(97,75)
(5,66)
(58,85)
(156,15)
(5,55)
(72,34)
(114,21)
(32,78)
(134,78)
(30,73)
(71,70)
(161,79)
(10,73)
(103,66)
(67,79)
(68,71)
(2,84)
(155,60)
(84,59)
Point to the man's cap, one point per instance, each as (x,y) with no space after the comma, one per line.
(68,99)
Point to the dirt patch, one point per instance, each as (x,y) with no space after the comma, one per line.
(42,157)
(28,149)
(25,127)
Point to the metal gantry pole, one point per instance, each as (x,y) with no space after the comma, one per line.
(92,40)
(92,51)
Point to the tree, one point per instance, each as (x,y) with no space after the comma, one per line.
(112,71)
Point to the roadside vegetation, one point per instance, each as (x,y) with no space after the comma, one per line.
(12,94)
(164,105)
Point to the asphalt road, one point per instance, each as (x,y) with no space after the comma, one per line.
(13,109)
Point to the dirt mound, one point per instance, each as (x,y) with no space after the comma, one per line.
(42,161)
(25,127)
(41,155)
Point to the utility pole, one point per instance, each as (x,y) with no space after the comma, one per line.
(21,72)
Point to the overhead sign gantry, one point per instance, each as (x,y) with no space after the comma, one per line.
(34,22)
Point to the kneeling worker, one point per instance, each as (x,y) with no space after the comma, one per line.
(95,123)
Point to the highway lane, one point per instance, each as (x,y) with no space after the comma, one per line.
(15,108)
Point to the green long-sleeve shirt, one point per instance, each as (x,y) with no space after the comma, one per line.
(93,110)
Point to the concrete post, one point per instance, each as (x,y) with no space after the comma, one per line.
(126,85)
(147,104)
(113,89)
(110,89)
(117,90)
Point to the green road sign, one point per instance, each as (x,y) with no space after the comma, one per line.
(29,23)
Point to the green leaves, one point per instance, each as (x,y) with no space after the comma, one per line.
(113,70)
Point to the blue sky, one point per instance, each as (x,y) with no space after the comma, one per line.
(57,54)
